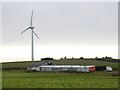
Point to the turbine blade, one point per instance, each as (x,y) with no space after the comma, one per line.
(25,30)
(35,34)
(31,18)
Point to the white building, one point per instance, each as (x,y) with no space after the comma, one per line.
(49,67)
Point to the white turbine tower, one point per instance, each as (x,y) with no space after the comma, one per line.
(32,39)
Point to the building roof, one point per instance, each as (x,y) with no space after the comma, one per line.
(66,66)
(36,64)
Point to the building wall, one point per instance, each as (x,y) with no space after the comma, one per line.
(66,68)
(71,68)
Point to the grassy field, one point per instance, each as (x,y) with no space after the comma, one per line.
(21,79)
(60,62)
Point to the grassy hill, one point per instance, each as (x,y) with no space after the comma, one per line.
(25,64)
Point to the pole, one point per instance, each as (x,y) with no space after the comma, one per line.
(32,51)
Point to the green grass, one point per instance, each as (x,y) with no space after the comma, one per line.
(0,79)
(20,79)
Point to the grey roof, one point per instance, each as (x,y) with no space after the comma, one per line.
(35,64)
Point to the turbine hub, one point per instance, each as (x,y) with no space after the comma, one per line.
(31,27)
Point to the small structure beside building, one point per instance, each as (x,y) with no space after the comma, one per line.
(103,68)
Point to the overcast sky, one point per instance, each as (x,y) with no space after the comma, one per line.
(89,29)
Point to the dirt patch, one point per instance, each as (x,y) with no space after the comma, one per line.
(116,73)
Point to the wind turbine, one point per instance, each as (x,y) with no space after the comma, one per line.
(32,33)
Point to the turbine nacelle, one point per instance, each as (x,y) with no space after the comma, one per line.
(31,27)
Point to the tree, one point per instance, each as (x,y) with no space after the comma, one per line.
(81,58)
